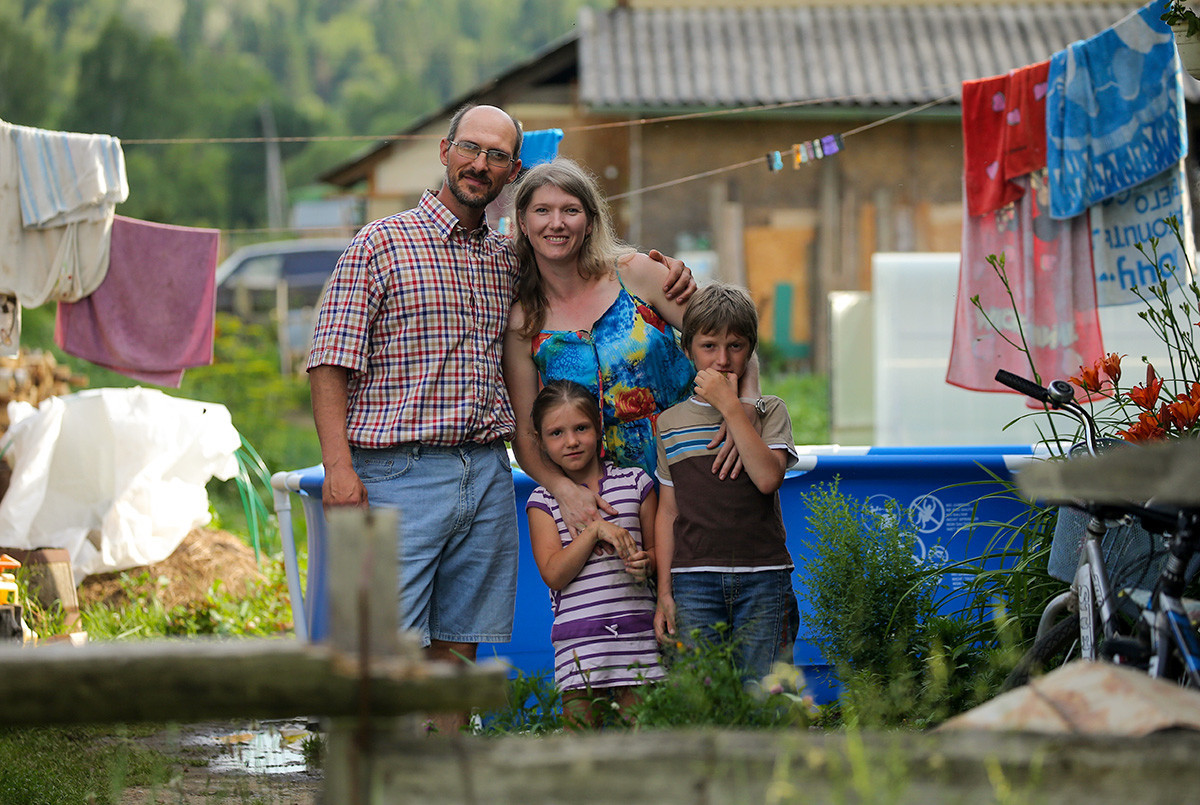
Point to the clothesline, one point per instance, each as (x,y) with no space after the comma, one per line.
(661,185)
(643,121)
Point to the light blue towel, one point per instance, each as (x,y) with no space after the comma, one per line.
(540,146)
(1114,112)
(66,177)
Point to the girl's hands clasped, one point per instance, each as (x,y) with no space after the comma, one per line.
(610,538)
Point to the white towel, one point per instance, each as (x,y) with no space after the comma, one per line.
(67,177)
(62,263)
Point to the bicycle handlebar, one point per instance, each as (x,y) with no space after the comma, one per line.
(1026,387)
(1059,396)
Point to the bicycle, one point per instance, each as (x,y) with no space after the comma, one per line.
(1133,624)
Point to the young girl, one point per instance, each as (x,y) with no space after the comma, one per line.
(603,631)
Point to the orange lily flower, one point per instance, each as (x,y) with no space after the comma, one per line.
(1146,429)
(1183,413)
(1111,363)
(1088,378)
(1146,397)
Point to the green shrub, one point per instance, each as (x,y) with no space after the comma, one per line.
(866,593)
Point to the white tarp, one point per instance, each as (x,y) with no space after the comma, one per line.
(115,476)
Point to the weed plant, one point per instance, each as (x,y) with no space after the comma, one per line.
(703,687)
(534,708)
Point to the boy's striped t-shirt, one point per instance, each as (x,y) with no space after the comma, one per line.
(722,524)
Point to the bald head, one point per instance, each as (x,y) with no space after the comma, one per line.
(493,115)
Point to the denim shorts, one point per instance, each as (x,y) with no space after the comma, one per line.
(760,609)
(458,536)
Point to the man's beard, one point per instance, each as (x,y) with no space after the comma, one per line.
(477,202)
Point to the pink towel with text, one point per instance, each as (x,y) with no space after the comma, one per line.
(1049,269)
(152,317)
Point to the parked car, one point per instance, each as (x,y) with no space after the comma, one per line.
(248,280)
(280,282)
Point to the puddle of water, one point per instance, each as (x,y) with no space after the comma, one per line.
(266,748)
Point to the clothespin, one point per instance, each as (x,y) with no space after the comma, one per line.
(817,152)
(797,156)
(831,144)
(774,161)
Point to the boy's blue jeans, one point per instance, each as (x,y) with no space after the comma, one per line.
(759,607)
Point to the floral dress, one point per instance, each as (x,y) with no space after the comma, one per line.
(632,362)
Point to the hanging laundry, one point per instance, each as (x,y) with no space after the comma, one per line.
(67,177)
(1114,112)
(10,326)
(152,317)
(1053,296)
(831,144)
(540,146)
(39,265)
(1004,135)
(1134,216)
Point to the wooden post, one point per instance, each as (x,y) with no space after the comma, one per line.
(364,615)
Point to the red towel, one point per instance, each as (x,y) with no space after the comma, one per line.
(152,317)
(1004,135)
(1049,268)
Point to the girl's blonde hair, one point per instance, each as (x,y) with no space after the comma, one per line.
(601,248)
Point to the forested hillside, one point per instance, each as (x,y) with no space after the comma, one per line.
(169,69)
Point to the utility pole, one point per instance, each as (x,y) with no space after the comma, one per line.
(276,187)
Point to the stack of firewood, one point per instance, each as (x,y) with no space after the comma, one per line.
(32,377)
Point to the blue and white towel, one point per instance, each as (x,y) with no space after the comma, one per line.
(1114,112)
(1133,217)
(67,177)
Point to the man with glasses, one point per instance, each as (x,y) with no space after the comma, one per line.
(409,402)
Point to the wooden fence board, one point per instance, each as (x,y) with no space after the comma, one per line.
(198,680)
(696,767)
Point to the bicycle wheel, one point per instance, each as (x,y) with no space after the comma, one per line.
(1044,652)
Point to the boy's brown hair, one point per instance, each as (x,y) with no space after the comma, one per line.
(719,307)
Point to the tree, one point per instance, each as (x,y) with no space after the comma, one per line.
(132,86)
(25,76)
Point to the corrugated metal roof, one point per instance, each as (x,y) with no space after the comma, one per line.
(888,56)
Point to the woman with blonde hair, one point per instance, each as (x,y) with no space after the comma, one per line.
(593,310)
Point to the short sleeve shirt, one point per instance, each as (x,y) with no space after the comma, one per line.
(416,309)
(723,524)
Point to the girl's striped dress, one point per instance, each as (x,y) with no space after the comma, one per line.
(603,631)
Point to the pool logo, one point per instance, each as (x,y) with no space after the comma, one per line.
(927,514)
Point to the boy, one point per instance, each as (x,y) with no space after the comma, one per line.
(720,543)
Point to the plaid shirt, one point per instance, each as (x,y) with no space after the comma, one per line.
(416,310)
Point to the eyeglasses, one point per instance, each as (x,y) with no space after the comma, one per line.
(495,157)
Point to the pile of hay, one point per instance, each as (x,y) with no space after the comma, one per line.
(206,554)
